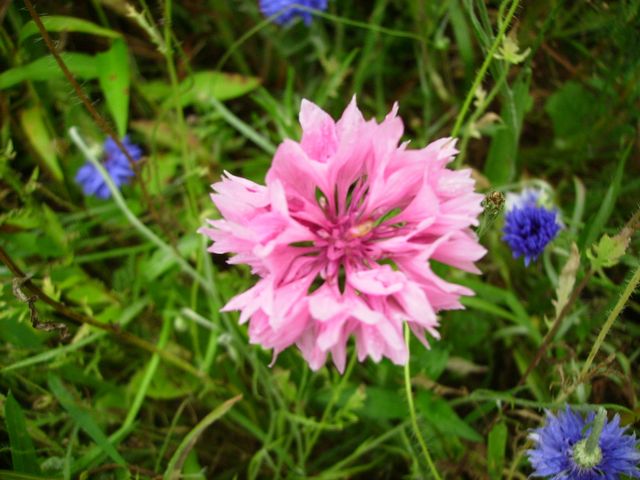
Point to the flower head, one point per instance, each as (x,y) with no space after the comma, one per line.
(115,163)
(529,226)
(289,11)
(560,452)
(342,236)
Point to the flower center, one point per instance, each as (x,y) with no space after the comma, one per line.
(584,457)
(345,242)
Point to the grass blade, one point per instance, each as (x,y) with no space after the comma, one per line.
(23,454)
(596,226)
(496,449)
(83,418)
(180,455)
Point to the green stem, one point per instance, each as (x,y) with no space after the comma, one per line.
(242,127)
(476,115)
(613,315)
(412,409)
(596,431)
(483,69)
(332,401)
(187,154)
(133,220)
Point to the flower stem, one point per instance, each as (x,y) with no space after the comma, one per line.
(135,222)
(412,409)
(631,286)
(483,69)
(598,425)
(337,391)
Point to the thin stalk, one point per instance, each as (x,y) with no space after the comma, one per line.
(242,127)
(133,220)
(476,115)
(504,24)
(332,401)
(412,409)
(613,315)
(173,77)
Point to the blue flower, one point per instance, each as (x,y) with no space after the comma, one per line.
(289,9)
(529,227)
(115,163)
(559,452)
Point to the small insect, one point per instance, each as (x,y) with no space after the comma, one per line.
(493,204)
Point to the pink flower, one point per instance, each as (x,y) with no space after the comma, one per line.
(342,235)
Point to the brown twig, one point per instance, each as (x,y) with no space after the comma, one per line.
(102,123)
(26,285)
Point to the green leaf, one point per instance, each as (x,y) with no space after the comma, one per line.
(164,384)
(114,78)
(497,444)
(608,251)
(9,475)
(200,87)
(598,222)
(179,457)
(83,67)
(510,52)
(571,108)
(23,454)
(89,292)
(83,418)
(500,167)
(58,23)
(443,418)
(32,121)
(383,404)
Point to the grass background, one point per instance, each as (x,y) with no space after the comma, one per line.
(151,381)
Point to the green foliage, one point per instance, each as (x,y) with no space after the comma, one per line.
(84,67)
(496,447)
(60,23)
(114,78)
(608,251)
(23,454)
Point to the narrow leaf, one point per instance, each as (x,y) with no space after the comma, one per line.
(180,455)
(59,23)
(82,66)
(444,418)
(114,77)
(597,223)
(495,450)
(500,167)
(32,122)
(23,454)
(200,87)
(83,418)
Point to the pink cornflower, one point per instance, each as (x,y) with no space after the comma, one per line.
(342,235)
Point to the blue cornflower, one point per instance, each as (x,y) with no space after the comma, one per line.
(528,226)
(572,447)
(115,163)
(289,11)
